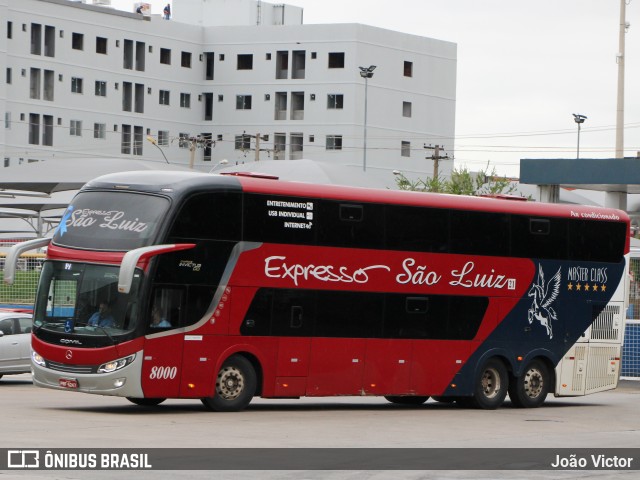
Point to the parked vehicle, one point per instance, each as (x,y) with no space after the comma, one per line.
(15,342)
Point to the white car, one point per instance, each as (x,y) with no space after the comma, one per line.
(15,342)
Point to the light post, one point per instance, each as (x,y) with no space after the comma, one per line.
(224,161)
(579,119)
(153,141)
(366,73)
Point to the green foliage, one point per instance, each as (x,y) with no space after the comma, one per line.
(462,182)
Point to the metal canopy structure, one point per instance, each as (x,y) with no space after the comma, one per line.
(620,175)
(55,175)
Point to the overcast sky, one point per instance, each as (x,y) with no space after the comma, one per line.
(523,69)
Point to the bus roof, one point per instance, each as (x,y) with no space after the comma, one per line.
(179,184)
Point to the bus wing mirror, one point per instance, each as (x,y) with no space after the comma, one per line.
(14,253)
(132,257)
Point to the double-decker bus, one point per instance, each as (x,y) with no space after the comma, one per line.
(222,288)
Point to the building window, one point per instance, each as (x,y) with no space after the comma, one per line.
(408,69)
(76,85)
(296,147)
(183,140)
(335,101)
(100,130)
(127,96)
(34,129)
(185,60)
(243,102)
(75,128)
(298,62)
(36,39)
(49,83)
(406,109)
(164,97)
(7,119)
(208,106)
(125,141)
(34,89)
(101,45)
(9,29)
(127,55)
(405,149)
(101,88)
(243,142)
(139,98)
(47,130)
(9,76)
(163,138)
(334,142)
(185,100)
(245,61)
(336,59)
(49,41)
(208,70)
(137,140)
(140,58)
(297,105)
(165,56)
(77,41)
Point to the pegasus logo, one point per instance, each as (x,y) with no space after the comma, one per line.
(544,294)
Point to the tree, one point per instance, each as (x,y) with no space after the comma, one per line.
(462,182)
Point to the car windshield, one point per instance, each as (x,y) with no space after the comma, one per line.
(83,299)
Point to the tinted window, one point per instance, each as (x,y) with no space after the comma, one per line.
(538,237)
(215,216)
(363,315)
(351,225)
(111,221)
(479,233)
(417,229)
(276,219)
(596,241)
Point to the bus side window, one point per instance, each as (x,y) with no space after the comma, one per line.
(166,307)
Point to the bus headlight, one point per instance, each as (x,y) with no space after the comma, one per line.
(37,359)
(116,364)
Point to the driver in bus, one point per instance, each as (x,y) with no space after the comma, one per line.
(102,318)
(158,320)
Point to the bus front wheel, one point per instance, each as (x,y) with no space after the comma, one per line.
(235,386)
(407,400)
(530,389)
(490,387)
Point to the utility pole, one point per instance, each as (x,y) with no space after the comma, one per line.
(258,137)
(197,142)
(436,158)
(620,100)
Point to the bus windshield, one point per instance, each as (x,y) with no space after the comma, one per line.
(84,299)
(116,221)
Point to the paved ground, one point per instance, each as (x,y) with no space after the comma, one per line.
(38,418)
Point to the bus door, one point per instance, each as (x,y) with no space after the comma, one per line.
(162,362)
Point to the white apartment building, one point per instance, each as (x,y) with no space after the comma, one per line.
(84,81)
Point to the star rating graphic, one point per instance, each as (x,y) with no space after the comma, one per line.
(586,287)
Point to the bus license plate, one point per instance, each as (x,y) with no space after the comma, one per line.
(68,382)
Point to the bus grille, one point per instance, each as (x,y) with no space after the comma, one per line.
(63,367)
(606,326)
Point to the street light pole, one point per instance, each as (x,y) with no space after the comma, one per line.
(366,73)
(152,140)
(579,119)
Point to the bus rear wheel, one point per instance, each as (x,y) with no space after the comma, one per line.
(490,387)
(530,389)
(407,400)
(235,386)
(146,402)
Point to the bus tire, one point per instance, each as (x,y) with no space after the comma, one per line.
(235,386)
(406,400)
(146,402)
(491,386)
(530,389)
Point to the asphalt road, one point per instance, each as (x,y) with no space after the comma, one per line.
(47,419)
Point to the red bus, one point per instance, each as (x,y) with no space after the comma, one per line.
(221,288)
